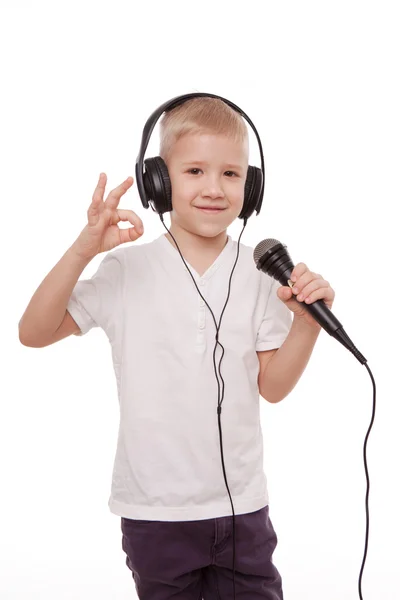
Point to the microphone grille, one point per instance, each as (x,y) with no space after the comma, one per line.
(263,247)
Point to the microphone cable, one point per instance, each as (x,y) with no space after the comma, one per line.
(367,477)
(272,257)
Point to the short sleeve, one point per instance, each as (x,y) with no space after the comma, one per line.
(95,302)
(276,322)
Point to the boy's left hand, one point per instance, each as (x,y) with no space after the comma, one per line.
(308,287)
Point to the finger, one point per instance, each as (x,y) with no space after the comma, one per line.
(132,233)
(311,287)
(132,217)
(115,195)
(325,293)
(284,293)
(129,234)
(298,271)
(302,281)
(97,199)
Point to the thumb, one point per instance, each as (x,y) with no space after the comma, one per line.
(284,293)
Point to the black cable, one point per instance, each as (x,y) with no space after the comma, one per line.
(367,476)
(219,408)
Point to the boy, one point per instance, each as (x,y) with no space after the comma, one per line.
(167,482)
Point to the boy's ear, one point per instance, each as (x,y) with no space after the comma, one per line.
(252,192)
(157,184)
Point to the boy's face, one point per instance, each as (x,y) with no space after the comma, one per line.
(207,170)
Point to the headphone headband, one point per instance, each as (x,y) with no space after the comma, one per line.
(169,105)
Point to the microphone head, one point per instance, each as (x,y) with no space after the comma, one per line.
(264,247)
(272,257)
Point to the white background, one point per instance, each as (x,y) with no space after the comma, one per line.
(320,80)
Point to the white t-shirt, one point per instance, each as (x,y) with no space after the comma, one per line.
(168,462)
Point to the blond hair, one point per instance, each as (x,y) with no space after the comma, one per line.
(200,115)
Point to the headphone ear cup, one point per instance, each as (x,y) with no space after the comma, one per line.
(157,184)
(252,192)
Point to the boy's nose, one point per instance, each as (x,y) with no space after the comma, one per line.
(213,190)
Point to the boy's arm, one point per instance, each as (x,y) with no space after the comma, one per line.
(46,319)
(281,369)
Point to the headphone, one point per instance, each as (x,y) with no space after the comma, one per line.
(154,184)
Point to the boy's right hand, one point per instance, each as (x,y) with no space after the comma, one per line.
(102,232)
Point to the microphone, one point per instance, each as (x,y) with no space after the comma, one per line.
(273,258)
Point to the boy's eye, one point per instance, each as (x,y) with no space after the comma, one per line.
(195,171)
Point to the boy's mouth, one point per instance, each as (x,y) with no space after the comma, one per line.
(208,209)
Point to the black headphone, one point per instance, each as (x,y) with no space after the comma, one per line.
(154,184)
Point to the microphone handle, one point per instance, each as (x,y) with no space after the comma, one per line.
(317,309)
(322,314)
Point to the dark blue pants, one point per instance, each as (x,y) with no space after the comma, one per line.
(190,560)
